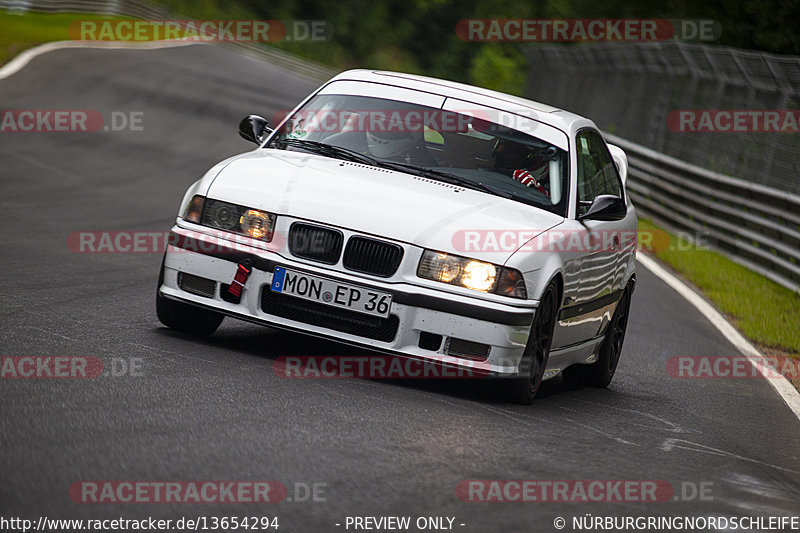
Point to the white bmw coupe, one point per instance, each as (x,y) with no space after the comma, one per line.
(422,218)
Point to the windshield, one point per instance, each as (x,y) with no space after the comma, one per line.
(495,158)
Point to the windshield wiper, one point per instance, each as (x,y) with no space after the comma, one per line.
(329,150)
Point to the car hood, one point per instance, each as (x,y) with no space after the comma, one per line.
(380,202)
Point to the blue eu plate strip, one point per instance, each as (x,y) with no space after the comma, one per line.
(277,279)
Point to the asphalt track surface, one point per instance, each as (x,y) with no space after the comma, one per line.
(215,410)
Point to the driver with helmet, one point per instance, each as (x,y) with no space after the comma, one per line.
(525,164)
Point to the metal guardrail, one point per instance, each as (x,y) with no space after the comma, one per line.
(287,60)
(144,10)
(631,89)
(754,225)
(126,8)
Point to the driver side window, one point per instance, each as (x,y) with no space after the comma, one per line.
(596,171)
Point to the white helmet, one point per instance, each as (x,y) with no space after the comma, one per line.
(391,143)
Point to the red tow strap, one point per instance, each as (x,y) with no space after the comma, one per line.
(243,270)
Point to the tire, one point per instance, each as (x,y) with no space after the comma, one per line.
(184,317)
(527,384)
(601,372)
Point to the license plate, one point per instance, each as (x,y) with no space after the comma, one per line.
(333,293)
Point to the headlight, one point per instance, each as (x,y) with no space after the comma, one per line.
(231,217)
(257,224)
(472,274)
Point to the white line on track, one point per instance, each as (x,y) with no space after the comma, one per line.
(16,64)
(779,382)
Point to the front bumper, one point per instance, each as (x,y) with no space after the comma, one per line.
(460,321)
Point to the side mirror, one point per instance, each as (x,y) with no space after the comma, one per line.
(253,128)
(606,207)
(621,161)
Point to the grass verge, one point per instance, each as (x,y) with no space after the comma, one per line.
(19,32)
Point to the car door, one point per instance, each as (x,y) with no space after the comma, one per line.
(599,263)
